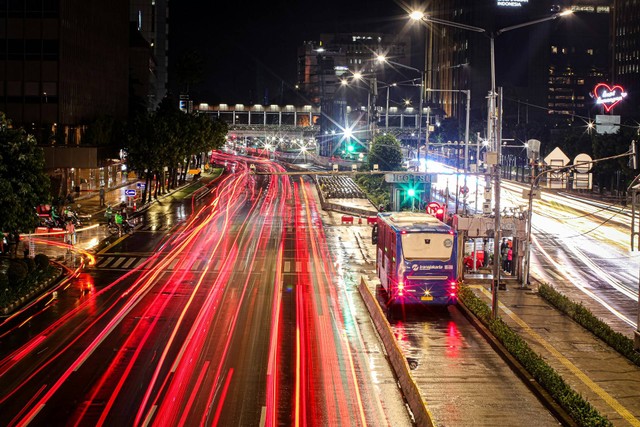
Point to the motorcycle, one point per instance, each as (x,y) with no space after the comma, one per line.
(126,227)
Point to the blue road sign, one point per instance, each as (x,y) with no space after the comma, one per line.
(141,184)
(130,193)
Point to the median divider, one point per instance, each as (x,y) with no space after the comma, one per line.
(410,389)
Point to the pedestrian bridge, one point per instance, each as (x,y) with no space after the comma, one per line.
(303,121)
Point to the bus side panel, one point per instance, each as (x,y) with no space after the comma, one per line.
(382,271)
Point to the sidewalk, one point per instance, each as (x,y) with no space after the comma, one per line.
(89,235)
(601,375)
(93,230)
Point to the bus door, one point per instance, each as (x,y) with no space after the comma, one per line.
(393,274)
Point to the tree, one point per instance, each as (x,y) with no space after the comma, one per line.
(386,153)
(23,182)
(614,174)
(143,150)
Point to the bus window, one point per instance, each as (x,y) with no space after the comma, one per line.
(427,246)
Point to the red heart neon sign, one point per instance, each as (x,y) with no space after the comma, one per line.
(608,96)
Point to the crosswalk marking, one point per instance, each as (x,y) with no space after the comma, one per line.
(127,262)
(117,262)
(104,261)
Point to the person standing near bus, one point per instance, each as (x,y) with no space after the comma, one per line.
(504,249)
(108,214)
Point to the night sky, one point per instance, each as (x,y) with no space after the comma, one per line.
(254,46)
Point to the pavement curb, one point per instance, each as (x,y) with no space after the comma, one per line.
(35,291)
(396,358)
(543,396)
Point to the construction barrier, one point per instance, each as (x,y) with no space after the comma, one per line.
(397,359)
(372,220)
(347,219)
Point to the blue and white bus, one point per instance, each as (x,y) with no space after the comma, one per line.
(416,258)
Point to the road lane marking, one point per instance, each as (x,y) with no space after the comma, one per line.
(113,244)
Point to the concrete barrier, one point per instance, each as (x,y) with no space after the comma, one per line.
(398,361)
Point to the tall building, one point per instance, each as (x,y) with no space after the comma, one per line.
(351,52)
(626,54)
(546,69)
(323,64)
(63,64)
(319,72)
(151,18)
(578,60)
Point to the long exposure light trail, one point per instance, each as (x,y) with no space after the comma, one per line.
(232,318)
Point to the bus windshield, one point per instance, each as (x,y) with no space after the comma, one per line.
(427,246)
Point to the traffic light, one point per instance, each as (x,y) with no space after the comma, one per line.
(411,192)
(350,148)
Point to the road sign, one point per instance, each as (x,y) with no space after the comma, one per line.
(130,193)
(533,149)
(582,163)
(557,158)
(141,185)
(409,177)
(535,194)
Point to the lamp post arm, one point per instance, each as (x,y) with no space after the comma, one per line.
(526,24)
(454,24)
(408,67)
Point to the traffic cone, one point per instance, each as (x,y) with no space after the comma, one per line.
(360,220)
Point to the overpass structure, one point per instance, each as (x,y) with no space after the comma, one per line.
(295,122)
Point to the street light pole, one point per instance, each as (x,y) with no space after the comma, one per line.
(386,118)
(493,131)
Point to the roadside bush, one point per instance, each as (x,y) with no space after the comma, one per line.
(590,322)
(376,189)
(17,272)
(42,262)
(579,409)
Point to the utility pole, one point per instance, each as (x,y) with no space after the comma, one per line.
(497,117)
